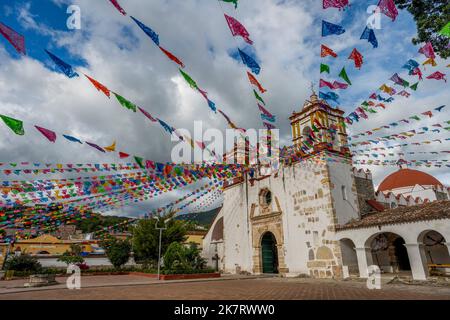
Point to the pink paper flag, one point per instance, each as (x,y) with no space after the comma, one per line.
(388,8)
(237,29)
(324,83)
(428,50)
(438,76)
(17,40)
(339,85)
(50,135)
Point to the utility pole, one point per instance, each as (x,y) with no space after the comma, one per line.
(160,237)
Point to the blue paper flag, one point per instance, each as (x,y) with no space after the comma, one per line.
(64,67)
(72,139)
(152,34)
(411,65)
(439,108)
(267,118)
(329,96)
(166,126)
(329,28)
(369,35)
(249,62)
(212,105)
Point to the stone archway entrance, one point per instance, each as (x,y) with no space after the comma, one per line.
(269,253)
(389,252)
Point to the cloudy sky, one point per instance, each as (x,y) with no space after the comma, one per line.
(112,49)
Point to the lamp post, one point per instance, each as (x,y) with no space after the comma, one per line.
(160,236)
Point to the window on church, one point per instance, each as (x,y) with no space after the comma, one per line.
(265,197)
(306,132)
(344,193)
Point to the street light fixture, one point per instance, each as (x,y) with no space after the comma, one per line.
(160,236)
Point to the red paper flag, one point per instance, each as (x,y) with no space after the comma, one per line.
(50,135)
(438,76)
(123,155)
(118,7)
(255,82)
(99,86)
(325,51)
(388,8)
(237,29)
(427,113)
(428,50)
(172,57)
(16,39)
(339,85)
(357,58)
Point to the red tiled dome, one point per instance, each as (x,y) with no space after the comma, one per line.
(407,178)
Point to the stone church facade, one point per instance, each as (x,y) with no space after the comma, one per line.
(290,221)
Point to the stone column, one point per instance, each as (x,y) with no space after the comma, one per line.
(417,260)
(448,246)
(364,256)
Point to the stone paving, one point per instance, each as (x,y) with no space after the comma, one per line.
(135,287)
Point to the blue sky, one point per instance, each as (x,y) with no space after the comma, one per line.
(113,50)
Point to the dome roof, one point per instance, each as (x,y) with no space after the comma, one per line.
(407,178)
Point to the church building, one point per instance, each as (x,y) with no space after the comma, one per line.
(318,216)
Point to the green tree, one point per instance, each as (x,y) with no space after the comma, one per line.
(430,16)
(118,251)
(23,262)
(69,258)
(146,237)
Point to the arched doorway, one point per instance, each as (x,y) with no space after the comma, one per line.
(269,253)
(349,258)
(435,251)
(389,252)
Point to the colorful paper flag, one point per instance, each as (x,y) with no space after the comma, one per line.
(148,31)
(237,29)
(15,125)
(369,35)
(232,1)
(339,4)
(14,38)
(357,58)
(388,8)
(437,76)
(324,68)
(249,62)
(172,57)
(189,80)
(125,103)
(324,83)
(255,82)
(118,7)
(258,97)
(99,86)
(148,115)
(428,50)
(445,31)
(93,145)
(72,139)
(325,51)
(111,148)
(343,75)
(329,28)
(64,67)
(49,134)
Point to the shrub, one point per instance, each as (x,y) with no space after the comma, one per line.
(118,252)
(23,262)
(181,259)
(69,258)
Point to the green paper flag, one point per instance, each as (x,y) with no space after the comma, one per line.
(365,103)
(371,110)
(140,162)
(446,30)
(324,68)
(232,1)
(125,103)
(415,118)
(189,80)
(414,86)
(405,83)
(15,125)
(344,76)
(258,97)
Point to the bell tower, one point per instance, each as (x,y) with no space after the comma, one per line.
(318,126)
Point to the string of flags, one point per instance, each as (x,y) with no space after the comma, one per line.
(416,117)
(238,30)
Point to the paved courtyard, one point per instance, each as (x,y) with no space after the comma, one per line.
(136,287)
